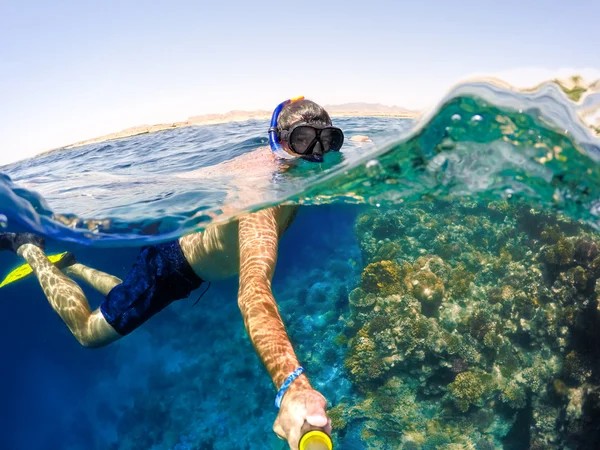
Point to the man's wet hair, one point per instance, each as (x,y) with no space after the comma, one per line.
(302,111)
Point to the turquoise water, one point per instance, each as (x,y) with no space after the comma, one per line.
(445,296)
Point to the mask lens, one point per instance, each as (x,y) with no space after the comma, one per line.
(332,139)
(301,139)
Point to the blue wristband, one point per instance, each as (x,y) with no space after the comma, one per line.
(286,384)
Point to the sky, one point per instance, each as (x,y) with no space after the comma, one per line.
(73,70)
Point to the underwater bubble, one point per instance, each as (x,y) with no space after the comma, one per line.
(456,117)
(508,193)
(476,118)
(374,168)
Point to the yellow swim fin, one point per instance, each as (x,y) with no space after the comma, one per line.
(25,269)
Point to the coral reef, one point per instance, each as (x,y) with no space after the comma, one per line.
(468,325)
(474,326)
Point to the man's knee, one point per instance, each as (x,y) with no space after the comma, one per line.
(97,332)
(91,341)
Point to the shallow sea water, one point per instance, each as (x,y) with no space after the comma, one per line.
(444,297)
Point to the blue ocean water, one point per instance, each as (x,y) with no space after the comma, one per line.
(192,364)
(501,187)
(135,182)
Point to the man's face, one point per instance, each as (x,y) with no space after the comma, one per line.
(311,141)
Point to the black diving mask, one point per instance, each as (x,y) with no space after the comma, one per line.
(307,140)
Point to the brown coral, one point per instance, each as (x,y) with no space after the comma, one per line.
(383,277)
(363,362)
(559,254)
(428,289)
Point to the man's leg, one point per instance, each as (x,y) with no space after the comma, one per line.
(66,298)
(101,281)
(160,276)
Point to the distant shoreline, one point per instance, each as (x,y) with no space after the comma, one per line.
(213,119)
(574,87)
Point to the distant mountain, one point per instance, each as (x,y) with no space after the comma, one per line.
(346,109)
(574,87)
(228,117)
(368,108)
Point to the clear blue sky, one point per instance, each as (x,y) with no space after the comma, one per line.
(71,70)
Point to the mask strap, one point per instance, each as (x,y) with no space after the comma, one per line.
(273,139)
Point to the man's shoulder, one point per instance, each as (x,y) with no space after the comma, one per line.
(253,161)
(260,152)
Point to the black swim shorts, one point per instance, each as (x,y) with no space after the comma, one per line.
(160,276)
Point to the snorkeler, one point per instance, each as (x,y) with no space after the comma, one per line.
(170,271)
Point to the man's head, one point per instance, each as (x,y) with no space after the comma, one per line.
(304,129)
(305,111)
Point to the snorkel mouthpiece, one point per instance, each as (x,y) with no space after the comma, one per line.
(317,152)
(316,155)
(314,158)
(273,140)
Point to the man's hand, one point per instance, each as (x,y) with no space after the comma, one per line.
(301,410)
(359,138)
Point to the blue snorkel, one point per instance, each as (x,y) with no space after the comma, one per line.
(273,139)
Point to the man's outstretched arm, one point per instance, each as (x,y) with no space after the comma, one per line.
(259,236)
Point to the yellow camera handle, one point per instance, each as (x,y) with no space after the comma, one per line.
(315,440)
